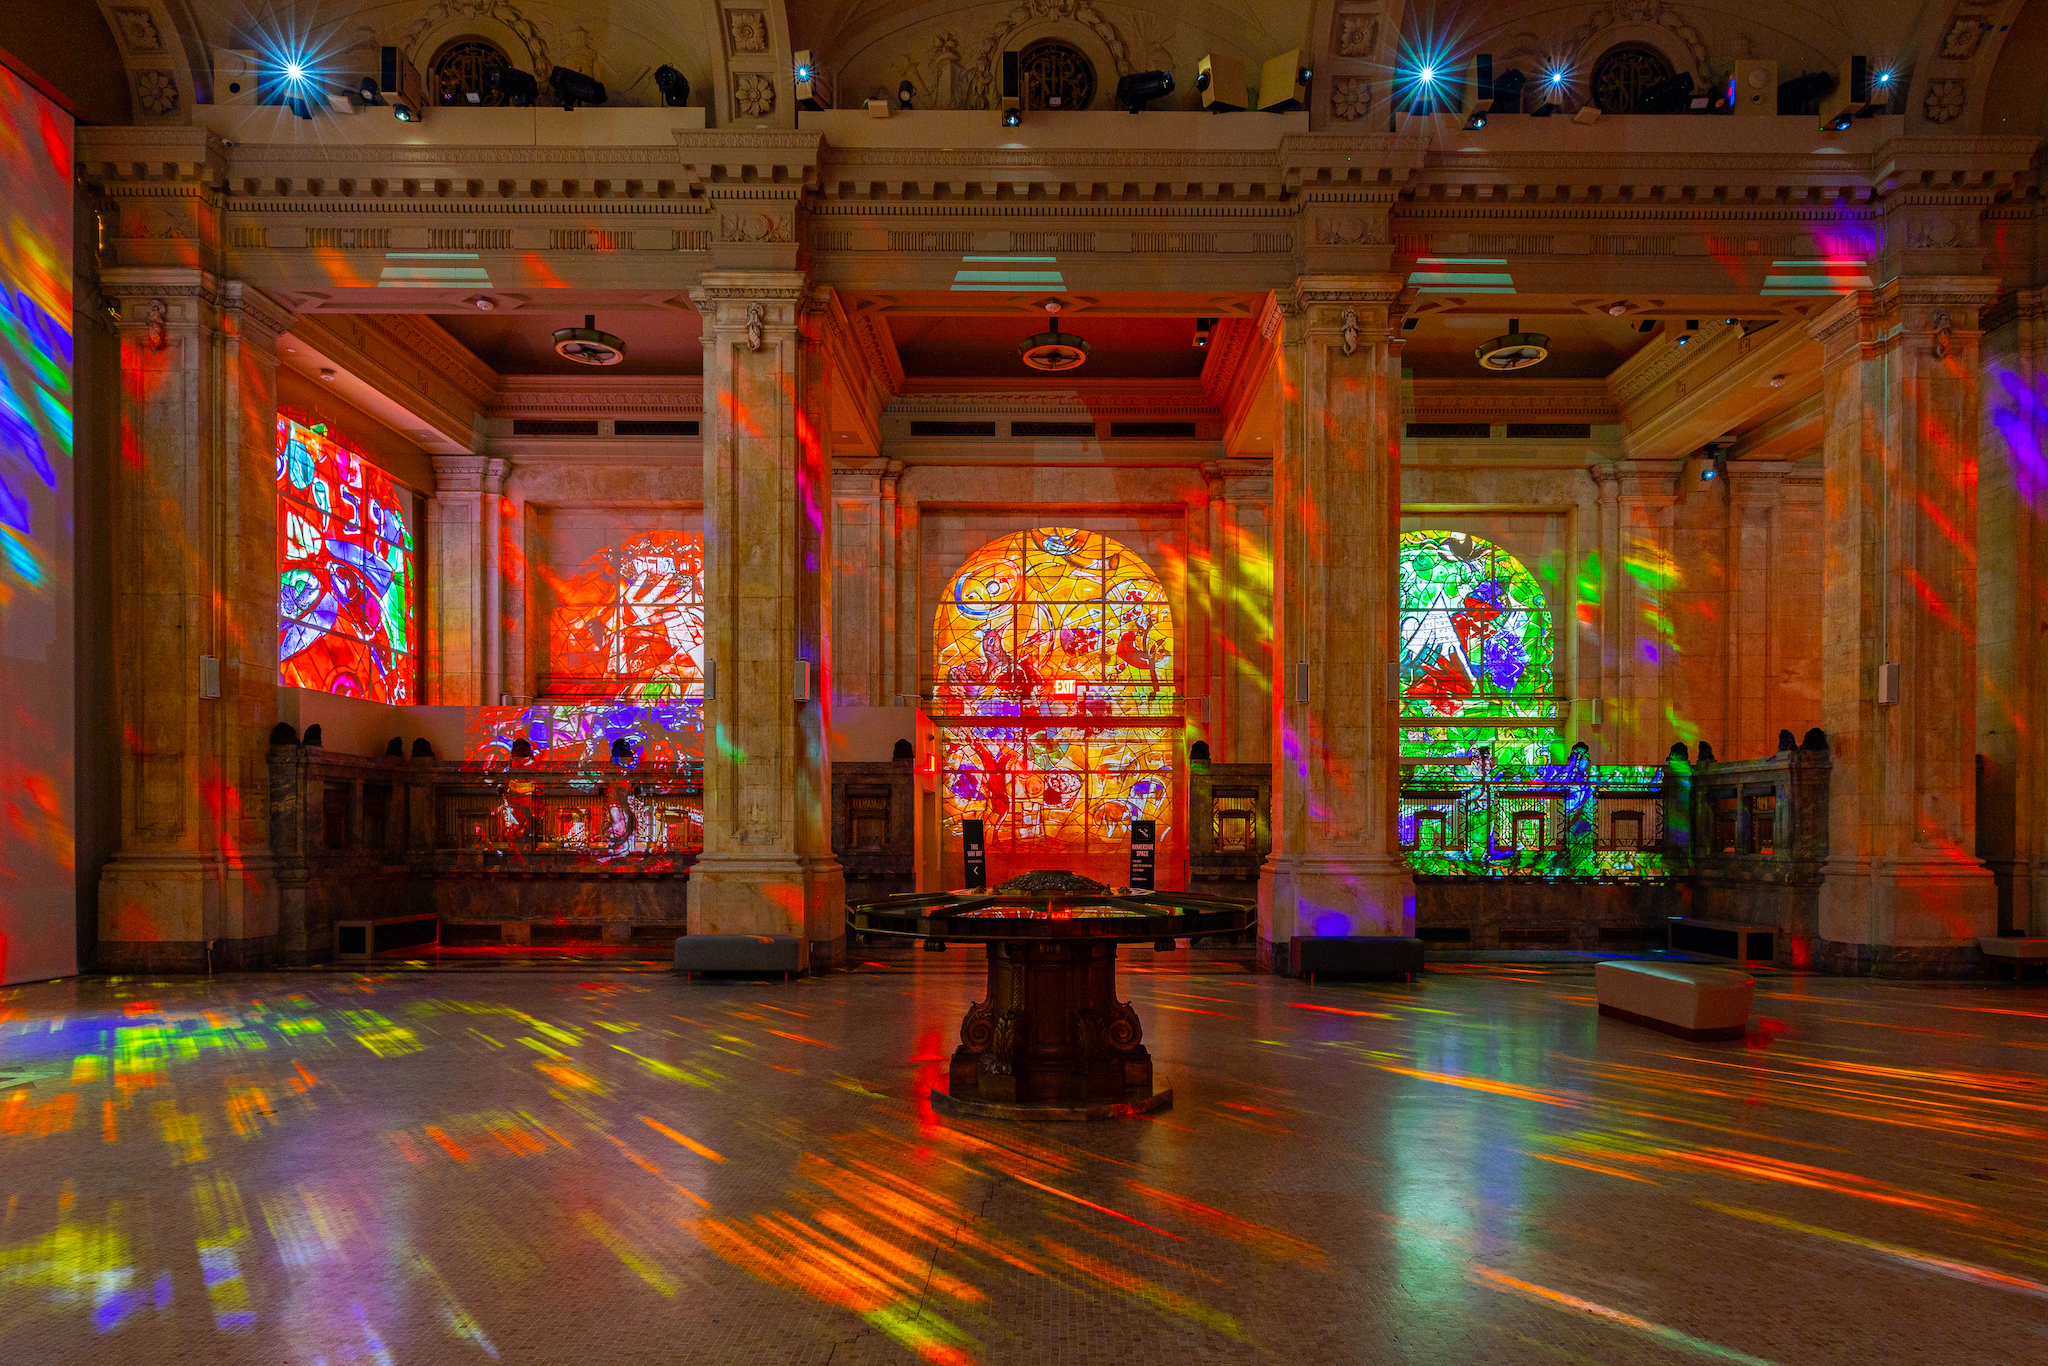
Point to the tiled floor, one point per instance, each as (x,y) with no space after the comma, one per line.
(606,1167)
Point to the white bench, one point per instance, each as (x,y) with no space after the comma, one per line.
(1687,999)
(2018,952)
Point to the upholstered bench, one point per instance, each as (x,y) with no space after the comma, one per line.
(1686,999)
(1356,954)
(2018,952)
(750,953)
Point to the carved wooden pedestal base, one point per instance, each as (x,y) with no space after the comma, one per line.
(1050,1036)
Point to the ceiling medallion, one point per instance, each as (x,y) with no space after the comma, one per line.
(1518,350)
(587,346)
(1054,350)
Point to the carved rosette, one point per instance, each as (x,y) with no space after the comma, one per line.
(1125,1033)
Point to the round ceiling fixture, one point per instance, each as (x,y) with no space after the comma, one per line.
(587,346)
(1054,350)
(1517,350)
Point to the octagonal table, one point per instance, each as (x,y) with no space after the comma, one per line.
(1049,1039)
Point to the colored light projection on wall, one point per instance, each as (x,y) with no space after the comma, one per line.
(346,617)
(1068,636)
(38,910)
(626,664)
(1477,645)
(630,622)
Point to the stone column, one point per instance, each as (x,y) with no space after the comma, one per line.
(888,536)
(1904,892)
(2012,611)
(457,516)
(767,866)
(1248,667)
(194,579)
(1209,579)
(1336,867)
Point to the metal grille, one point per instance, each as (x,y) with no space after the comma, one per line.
(1056,76)
(1622,75)
(657,427)
(1140,429)
(458,70)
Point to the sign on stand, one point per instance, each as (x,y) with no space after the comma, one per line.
(975,852)
(1141,855)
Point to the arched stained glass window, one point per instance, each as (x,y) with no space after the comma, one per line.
(1055,657)
(1477,650)
(1055,620)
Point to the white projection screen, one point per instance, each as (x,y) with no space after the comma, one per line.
(38,899)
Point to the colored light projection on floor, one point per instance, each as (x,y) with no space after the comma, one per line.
(37,893)
(1477,644)
(417,1167)
(1053,647)
(630,622)
(347,621)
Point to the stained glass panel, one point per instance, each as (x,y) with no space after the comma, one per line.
(346,616)
(1055,621)
(1044,642)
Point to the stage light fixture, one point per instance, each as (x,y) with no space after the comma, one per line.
(673,85)
(1476,122)
(1807,88)
(368,93)
(1854,94)
(1219,80)
(1010,104)
(1203,327)
(399,79)
(1140,88)
(574,87)
(1667,96)
(519,88)
(806,81)
(1283,82)
(1507,91)
(1420,89)
(403,112)
(905,94)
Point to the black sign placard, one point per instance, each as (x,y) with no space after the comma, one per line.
(1141,855)
(975,853)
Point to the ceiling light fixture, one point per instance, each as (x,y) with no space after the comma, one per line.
(1515,350)
(587,346)
(1054,350)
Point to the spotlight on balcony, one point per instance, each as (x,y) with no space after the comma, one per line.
(573,87)
(905,94)
(1140,88)
(674,86)
(518,88)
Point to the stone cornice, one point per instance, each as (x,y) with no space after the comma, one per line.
(750,160)
(678,396)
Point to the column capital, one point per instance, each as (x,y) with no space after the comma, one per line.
(458,474)
(257,316)
(1937,308)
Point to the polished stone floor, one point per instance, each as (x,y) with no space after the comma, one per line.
(603,1166)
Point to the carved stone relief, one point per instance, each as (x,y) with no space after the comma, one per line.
(753,225)
(981,77)
(1959,44)
(1933,233)
(156,92)
(753,94)
(1358,33)
(1944,100)
(1350,230)
(1586,38)
(1350,97)
(746,31)
(468,12)
(138,29)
